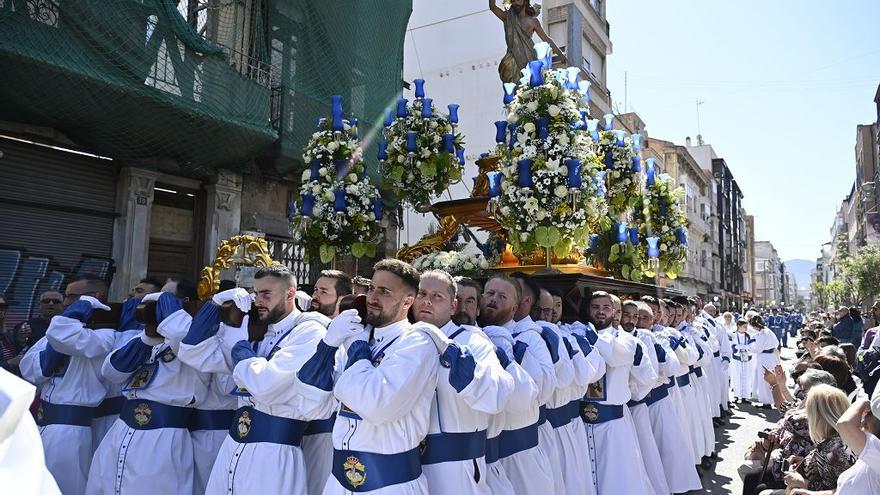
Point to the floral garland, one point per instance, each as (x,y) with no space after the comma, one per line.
(421,153)
(661,216)
(456,263)
(622,179)
(538,204)
(624,258)
(338,211)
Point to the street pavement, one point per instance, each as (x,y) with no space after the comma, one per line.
(735,437)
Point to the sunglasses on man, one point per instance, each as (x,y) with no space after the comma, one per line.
(50,300)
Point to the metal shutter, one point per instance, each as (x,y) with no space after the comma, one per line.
(56,203)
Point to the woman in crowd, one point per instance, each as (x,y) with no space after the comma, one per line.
(859,429)
(857,328)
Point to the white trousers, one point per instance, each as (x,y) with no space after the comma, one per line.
(648,448)
(261,468)
(100,427)
(529,472)
(571,440)
(318,452)
(206,444)
(548,441)
(678,464)
(68,452)
(615,457)
(499,484)
(468,477)
(142,462)
(704,415)
(741,379)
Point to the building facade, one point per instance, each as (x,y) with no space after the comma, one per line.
(730,237)
(748,292)
(769,275)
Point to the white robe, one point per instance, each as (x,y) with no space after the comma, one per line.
(741,373)
(467,411)
(102,424)
(685,396)
(643,379)
(145,461)
(765,340)
(69,448)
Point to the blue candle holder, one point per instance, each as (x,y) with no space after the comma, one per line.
(621,138)
(524,171)
(340,166)
(339,202)
(494,183)
(593,128)
(535,77)
(308,204)
(389,118)
(402,111)
(572,77)
(411,141)
(500,130)
(609,159)
(622,233)
(509,90)
(543,126)
(637,142)
(420,88)
(634,236)
(314,168)
(378,208)
(681,234)
(583,88)
(459,153)
(383,150)
(512,131)
(448,143)
(336,112)
(319,122)
(609,122)
(525,75)
(653,248)
(637,164)
(427,108)
(544,54)
(594,243)
(650,171)
(575,180)
(453,112)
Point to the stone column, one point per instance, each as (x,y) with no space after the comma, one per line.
(222,211)
(131,230)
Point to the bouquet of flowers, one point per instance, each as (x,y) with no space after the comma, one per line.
(420,152)
(547,191)
(338,211)
(621,169)
(664,224)
(454,262)
(618,248)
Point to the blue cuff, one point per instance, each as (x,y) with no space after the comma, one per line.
(502,357)
(700,350)
(519,351)
(552,341)
(591,336)
(318,370)
(571,351)
(79,310)
(131,356)
(584,344)
(167,304)
(204,325)
(461,366)
(637,360)
(359,349)
(127,319)
(240,351)
(725,358)
(50,360)
(661,353)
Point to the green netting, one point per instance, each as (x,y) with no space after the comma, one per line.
(201,83)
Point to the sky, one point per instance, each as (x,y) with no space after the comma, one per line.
(783,84)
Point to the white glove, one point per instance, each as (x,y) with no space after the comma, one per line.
(152,296)
(441,341)
(239,296)
(233,335)
(96,304)
(344,327)
(303,300)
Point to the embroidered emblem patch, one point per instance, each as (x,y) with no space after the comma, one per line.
(355,472)
(168,356)
(590,412)
(244,424)
(596,390)
(40,413)
(142,414)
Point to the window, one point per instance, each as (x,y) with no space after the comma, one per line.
(703,258)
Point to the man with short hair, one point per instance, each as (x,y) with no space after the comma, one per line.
(468,301)
(611,437)
(557,306)
(66,365)
(330,286)
(543,307)
(471,388)
(262,453)
(516,460)
(50,305)
(145,286)
(386,387)
(184,289)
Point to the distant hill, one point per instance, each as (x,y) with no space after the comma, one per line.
(801,270)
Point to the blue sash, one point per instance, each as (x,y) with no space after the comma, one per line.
(366,471)
(63,414)
(768,351)
(109,406)
(512,441)
(593,413)
(450,447)
(318,426)
(542,415)
(683,381)
(252,426)
(143,414)
(633,403)
(657,394)
(492,449)
(716,354)
(208,419)
(559,416)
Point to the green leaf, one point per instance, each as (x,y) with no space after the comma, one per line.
(553,236)
(615,248)
(327,253)
(370,249)
(358,249)
(396,172)
(428,169)
(671,275)
(562,248)
(542,236)
(624,270)
(612,257)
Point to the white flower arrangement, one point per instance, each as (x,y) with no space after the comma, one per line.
(623,184)
(454,262)
(426,172)
(661,216)
(334,160)
(549,214)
